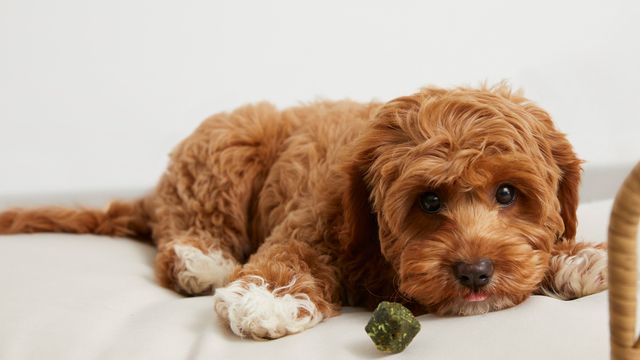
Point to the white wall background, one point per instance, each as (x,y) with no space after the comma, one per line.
(94,94)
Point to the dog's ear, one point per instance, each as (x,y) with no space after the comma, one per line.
(570,171)
(361,227)
(565,158)
(371,149)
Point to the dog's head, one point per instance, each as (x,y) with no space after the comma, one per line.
(466,191)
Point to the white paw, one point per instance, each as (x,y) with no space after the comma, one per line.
(582,274)
(197,273)
(252,309)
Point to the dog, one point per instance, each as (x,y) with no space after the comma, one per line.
(451,201)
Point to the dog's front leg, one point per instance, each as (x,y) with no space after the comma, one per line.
(576,270)
(286,287)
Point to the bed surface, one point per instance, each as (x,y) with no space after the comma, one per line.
(90,297)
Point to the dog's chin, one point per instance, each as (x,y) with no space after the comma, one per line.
(473,304)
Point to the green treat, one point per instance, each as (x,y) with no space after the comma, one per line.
(392,327)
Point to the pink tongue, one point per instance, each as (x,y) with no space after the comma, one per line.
(473,297)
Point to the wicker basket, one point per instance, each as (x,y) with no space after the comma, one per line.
(623,273)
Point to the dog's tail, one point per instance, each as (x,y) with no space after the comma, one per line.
(128,219)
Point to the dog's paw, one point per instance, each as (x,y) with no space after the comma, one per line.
(253,309)
(197,273)
(574,276)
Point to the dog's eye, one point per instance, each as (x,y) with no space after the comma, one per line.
(505,194)
(430,202)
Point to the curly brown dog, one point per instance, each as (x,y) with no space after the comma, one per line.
(454,202)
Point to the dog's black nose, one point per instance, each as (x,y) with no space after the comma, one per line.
(474,276)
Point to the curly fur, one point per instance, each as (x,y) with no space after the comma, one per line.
(320,202)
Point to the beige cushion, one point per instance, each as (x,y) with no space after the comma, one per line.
(86,297)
